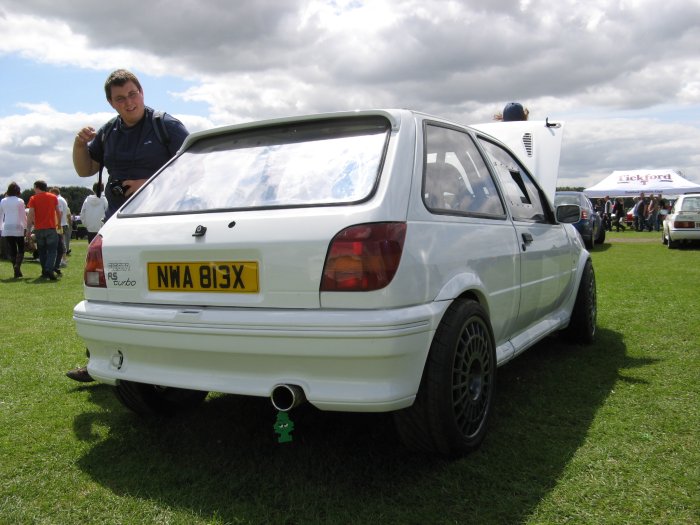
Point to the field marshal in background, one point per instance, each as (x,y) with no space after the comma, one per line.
(132,146)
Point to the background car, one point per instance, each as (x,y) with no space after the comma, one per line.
(590,224)
(682,224)
(369,261)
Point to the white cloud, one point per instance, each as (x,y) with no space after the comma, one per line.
(38,145)
(32,141)
(594,149)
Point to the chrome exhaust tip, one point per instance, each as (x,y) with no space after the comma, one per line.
(285,397)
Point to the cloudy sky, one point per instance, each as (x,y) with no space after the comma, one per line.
(623,75)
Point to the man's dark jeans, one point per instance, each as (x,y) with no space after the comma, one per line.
(47,244)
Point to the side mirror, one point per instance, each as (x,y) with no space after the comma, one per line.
(569,213)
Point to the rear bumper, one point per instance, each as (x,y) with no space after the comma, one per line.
(348,360)
(684,234)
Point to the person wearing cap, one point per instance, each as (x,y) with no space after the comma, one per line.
(513,111)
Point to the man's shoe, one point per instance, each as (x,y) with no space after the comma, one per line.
(80,374)
(57,272)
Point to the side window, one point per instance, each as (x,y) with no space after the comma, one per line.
(523,197)
(455,177)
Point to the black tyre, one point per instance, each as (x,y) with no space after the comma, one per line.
(601,236)
(671,243)
(157,400)
(664,240)
(588,242)
(454,402)
(582,326)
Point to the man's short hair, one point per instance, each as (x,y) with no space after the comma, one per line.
(119,78)
(55,191)
(41,185)
(97,186)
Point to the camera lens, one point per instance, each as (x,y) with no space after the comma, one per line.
(117,190)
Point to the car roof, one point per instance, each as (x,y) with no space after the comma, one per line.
(537,144)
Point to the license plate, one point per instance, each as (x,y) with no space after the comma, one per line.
(226,277)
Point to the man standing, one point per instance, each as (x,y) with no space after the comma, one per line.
(607,213)
(638,213)
(44,215)
(132,146)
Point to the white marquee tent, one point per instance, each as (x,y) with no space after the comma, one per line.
(634,182)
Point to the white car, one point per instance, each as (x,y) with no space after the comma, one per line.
(367,261)
(682,224)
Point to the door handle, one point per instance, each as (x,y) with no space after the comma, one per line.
(527,239)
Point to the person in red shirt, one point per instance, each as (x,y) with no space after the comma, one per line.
(44,215)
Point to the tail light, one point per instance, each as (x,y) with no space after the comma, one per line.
(94,275)
(584,214)
(364,257)
(683,224)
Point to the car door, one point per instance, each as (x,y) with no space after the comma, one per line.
(467,238)
(546,269)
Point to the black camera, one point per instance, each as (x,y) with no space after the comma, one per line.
(116,189)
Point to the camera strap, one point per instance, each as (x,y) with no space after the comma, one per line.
(107,130)
(99,180)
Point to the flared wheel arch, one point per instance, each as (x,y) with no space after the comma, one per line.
(582,325)
(438,422)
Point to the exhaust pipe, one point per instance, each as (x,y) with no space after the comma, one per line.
(285,397)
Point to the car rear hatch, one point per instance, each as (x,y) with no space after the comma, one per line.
(688,217)
(244,217)
(271,259)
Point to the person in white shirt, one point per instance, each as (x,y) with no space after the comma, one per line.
(13,217)
(93,211)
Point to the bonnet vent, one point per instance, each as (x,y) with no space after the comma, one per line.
(527,142)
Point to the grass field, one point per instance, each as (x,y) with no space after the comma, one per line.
(607,433)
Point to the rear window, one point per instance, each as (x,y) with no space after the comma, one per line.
(690,204)
(301,164)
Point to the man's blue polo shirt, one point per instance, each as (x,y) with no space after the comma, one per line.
(132,153)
